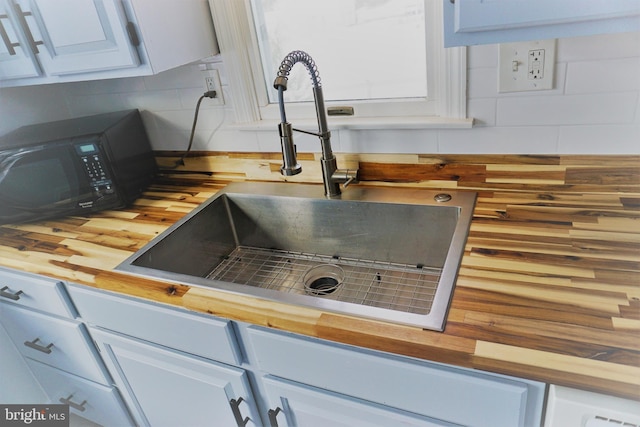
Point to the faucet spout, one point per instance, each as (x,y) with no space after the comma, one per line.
(331,176)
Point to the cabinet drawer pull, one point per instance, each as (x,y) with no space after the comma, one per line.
(5,37)
(273,416)
(235,408)
(34,345)
(77,406)
(27,30)
(3,292)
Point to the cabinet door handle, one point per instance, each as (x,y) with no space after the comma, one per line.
(235,408)
(3,292)
(77,406)
(34,345)
(273,416)
(27,30)
(5,37)
(133,34)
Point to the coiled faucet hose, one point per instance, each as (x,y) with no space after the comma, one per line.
(290,60)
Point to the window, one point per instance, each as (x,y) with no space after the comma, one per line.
(364,50)
(383,57)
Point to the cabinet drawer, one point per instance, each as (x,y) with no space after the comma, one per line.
(59,342)
(171,327)
(92,401)
(309,406)
(434,390)
(33,291)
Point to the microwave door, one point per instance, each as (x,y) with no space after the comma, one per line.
(39,182)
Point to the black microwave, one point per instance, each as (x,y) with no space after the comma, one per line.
(74,167)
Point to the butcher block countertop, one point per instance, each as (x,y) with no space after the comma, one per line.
(548,289)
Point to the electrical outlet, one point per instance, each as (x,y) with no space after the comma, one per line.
(212,82)
(526,66)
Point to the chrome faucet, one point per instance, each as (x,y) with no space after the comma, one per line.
(331,175)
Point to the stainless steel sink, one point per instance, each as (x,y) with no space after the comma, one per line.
(384,253)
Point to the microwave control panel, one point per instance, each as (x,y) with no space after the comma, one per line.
(92,160)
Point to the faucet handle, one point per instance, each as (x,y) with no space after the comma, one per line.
(349,181)
(345,176)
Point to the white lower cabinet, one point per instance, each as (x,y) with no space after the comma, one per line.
(171,388)
(313,407)
(405,388)
(40,322)
(177,367)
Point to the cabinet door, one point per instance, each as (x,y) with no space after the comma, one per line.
(469,22)
(16,58)
(170,388)
(293,404)
(78,36)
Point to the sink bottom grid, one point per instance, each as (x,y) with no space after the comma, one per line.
(399,287)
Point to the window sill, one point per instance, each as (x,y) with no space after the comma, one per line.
(368,123)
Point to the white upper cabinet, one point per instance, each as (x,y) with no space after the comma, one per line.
(96,41)
(471,22)
(16,58)
(46,41)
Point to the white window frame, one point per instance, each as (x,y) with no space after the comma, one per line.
(446,106)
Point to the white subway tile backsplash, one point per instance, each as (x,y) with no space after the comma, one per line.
(14,99)
(173,119)
(99,87)
(615,75)
(483,111)
(233,140)
(161,100)
(178,78)
(589,109)
(388,141)
(270,141)
(85,105)
(497,140)
(598,47)
(211,119)
(606,139)
(482,83)
(483,56)
(168,139)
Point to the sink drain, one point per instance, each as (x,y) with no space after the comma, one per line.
(323,279)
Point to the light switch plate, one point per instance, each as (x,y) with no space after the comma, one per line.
(526,66)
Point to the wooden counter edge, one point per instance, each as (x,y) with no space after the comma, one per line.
(572,371)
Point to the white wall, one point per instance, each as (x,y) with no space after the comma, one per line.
(594,109)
